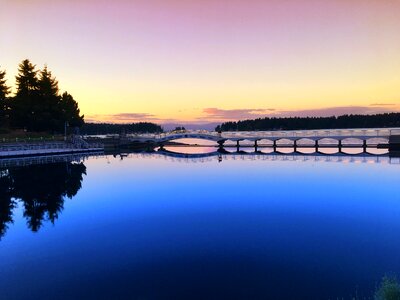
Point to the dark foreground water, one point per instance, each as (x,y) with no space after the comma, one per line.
(155,227)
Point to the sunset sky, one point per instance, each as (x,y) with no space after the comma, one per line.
(208,61)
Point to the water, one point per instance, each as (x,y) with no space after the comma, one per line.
(149,226)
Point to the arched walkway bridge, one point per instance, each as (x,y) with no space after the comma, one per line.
(360,137)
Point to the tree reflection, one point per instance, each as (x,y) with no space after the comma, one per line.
(41,189)
(7,204)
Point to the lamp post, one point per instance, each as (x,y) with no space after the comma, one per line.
(65,130)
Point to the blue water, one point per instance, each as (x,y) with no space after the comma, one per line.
(152,227)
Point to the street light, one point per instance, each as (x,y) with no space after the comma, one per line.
(65,130)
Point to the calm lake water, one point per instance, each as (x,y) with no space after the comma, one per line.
(150,226)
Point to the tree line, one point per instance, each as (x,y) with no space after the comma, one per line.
(299,123)
(37,104)
(106,128)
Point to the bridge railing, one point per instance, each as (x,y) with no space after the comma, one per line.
(356,132)
(379,132)
(169,134)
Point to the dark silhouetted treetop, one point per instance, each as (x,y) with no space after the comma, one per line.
(4,91)
(38,105)
(70,111)
(27,80)
(298,123)
(48,85)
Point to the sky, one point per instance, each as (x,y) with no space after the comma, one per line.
(199,61)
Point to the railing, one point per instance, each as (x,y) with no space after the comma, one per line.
(30,139)
(77,144)
(357,132)
(379,132)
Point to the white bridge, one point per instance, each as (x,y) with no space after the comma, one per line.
(366,137)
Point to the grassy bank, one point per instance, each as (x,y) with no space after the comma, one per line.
(21,136)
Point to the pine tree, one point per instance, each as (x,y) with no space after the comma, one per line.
(38,105)
(70,111)
(4,91)
(23,104)
(27,81)
(47,108)
(48,85)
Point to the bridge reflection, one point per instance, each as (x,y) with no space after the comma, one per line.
(223,155)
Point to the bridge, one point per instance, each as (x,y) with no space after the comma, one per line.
(381,137)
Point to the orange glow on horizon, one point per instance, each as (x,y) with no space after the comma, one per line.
(210,61)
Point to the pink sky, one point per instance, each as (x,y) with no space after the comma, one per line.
(210,60)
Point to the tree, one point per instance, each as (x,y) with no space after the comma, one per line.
(7,203)
(27,81)
(38,105)
(48,85)
(4,91)
(70,111)
(47,107)
(23,110)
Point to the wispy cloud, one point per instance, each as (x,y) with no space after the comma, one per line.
(382,104)
(123,118)
(231,114)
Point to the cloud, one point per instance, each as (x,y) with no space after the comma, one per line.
(382,104)
(231,114)
(122,118)
(133,116)
(125,118)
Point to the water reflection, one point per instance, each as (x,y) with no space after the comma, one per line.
(207,151)
(41,189)
(148,227)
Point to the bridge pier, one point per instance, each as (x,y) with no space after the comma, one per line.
(340,146)
(365,145)
(295,145)
(255,145)
(237,146)
(316,146)
(274,145)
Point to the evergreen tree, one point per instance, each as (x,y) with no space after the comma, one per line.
(4,91)
(70,111)
(23,110)
(27,81)
(38,106)
(48,85)
(47,108)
